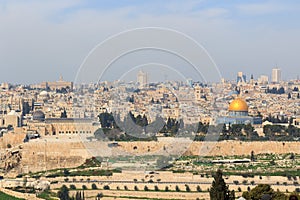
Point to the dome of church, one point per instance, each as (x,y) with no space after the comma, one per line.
(38,115)
(43,93)
(238,105)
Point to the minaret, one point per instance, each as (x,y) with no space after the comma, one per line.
(251,80)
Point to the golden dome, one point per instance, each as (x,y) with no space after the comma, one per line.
(238,105)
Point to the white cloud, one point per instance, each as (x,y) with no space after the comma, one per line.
(264,8)
(33,43)
(213,13)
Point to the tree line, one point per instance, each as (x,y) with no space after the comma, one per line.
(138,128)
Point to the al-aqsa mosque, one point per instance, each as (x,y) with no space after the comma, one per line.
(238,114)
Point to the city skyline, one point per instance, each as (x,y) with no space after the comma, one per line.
(134,77)
(40,41)
(196,99)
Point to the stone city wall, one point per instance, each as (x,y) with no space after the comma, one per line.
(46,155)
(11,138)
(225,148)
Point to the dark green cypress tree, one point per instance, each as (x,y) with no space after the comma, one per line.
(63,193)
(219,190)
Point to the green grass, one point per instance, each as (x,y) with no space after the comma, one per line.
(47,195)
(8,197)
(86,173)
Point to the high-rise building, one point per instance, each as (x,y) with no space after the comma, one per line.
(189,82)
(263,79)
(276,75)
(241,78)
(142,78)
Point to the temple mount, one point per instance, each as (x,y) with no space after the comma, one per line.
(238,114)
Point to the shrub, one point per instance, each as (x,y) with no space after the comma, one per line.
(177,188)
(146,188)
(106,187)
(84,187)
(53,182)
(66,172)
(272,162)
(156,188)
(72,187)
(94,186)
(284,183)
(99,196)
(125,187)
(166,188)
(239,189)
(199,188)
(36,177)
(187,188)
(18,176)
(136,188)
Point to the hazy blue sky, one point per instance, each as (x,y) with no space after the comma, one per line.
(40,40)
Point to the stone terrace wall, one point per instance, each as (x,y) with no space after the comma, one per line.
(20,195)
(42,155)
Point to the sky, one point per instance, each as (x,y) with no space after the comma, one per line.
(41,40)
